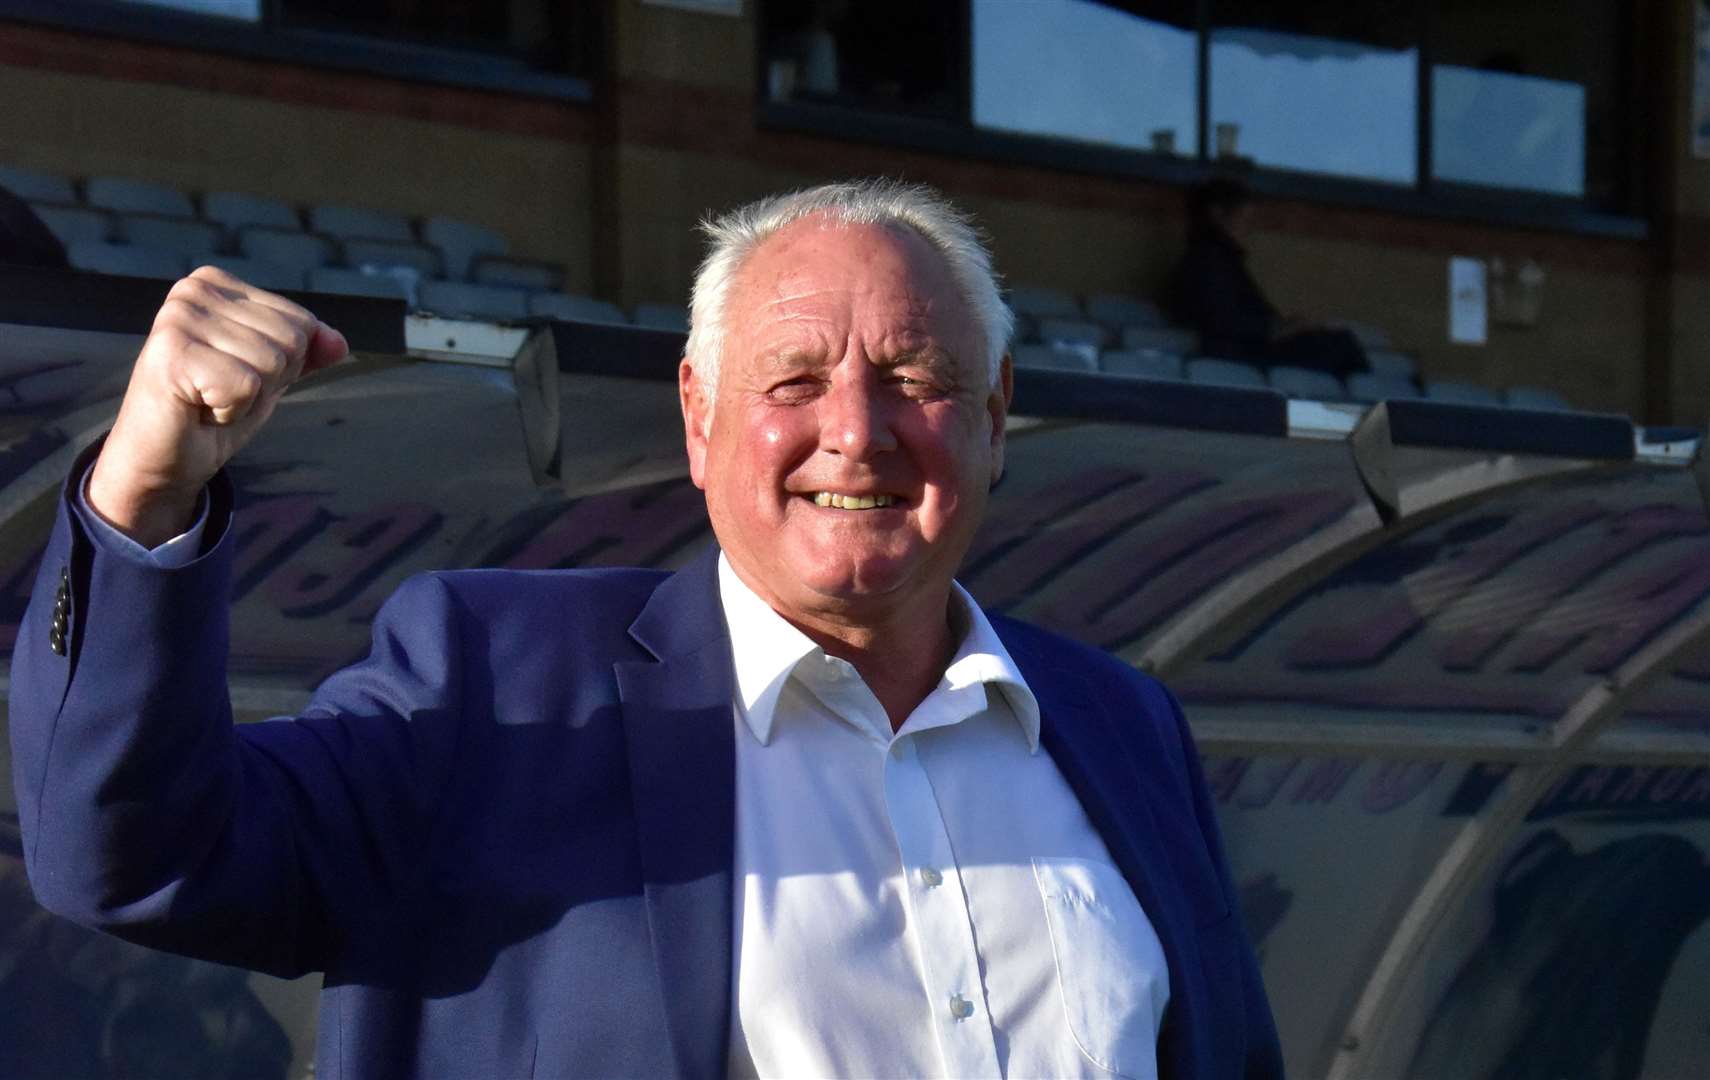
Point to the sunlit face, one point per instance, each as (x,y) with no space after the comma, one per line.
(855,432)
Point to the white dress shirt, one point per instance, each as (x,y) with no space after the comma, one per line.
(932,902)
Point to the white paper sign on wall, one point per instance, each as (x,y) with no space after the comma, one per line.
(1468,301)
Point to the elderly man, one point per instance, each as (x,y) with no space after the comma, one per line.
(799,809)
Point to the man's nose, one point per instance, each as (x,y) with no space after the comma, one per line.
(855,418)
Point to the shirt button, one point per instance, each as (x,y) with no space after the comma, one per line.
(960,1007)
(932,878)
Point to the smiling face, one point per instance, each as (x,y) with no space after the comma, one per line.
(855,431)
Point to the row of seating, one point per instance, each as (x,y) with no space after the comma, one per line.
(143,213)
(443,265)
(1300,383)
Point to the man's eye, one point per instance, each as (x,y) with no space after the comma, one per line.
(796,390)
(914,387)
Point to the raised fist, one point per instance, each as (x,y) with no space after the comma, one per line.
(220,355)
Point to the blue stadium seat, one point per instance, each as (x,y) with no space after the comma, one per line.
(1173,339)
(75,224)
(533,274)
(1391,362)
(1073,332)
(461,242)
(1306,384)
(1536,397)
(1148,363)
(1218,372)
(334,279)
(196,240)
(232,210)
(127,260)
(32,185)
(1056,357)
(1370,387)
(359,222)
(456,299)
(1114,309)
(1461,393)
(661,316)
(424,260)
(263,275)
(557,305)
(1043,303)
(283,247)
(136,197)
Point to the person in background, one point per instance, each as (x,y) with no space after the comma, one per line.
(1212,291)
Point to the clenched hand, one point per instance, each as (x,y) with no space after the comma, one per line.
(219,357)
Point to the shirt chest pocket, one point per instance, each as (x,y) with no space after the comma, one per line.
(1110,965)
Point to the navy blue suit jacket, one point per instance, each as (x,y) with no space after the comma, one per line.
(506,836)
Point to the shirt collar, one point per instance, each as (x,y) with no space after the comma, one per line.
(765,650)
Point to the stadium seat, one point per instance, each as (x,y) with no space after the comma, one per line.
(196,240)
(455,299)
(556,305)
(1369,335)
(460,242)
(1056,357)
(282,247)
(1370,388)
(1113,309)
(232,210)
(32,185)
(1148,363)
(127,260)
(1073,332)
(1306,384)
(661,316)
(533,274)
(424,260)
(359,222)
(1043,303)
(1391,362)
(136,197)
(1536,397)
(1172,339)
(333,279)
(263,275)
(1461,393)
(1217,372)
(75,224)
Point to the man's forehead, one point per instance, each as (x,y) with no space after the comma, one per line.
(887,266)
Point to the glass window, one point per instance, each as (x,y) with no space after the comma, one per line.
(1080,70)
(1528,96)
(1332,91)
(541,33)
(896,56)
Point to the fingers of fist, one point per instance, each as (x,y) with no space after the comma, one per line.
(227,347)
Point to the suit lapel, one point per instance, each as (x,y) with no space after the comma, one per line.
(680,739)
(1115,791)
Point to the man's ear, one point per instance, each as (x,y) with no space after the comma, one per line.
(697,418)
(997,404)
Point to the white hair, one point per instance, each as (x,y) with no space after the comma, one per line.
(735,236)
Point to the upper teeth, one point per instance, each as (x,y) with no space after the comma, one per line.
(852,502)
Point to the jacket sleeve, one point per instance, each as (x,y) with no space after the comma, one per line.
(147,814)
(1263,1048)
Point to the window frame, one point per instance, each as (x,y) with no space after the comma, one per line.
(1428,197)
(272,39)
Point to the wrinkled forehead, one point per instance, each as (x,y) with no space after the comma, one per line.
(885,275)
